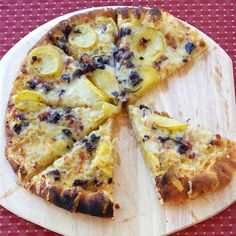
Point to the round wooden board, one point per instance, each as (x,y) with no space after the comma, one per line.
(202,91)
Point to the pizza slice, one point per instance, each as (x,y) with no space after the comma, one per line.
(82,179)
(37,135)
(152,45)
(184,160)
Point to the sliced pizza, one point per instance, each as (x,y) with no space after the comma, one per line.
(152,45)
(184,160)
(36,135)
(81,180)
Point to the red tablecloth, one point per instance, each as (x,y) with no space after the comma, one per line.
(216,18)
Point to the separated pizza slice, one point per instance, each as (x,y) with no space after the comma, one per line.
(82,179)
(37,135)
(152,45)
(184,160)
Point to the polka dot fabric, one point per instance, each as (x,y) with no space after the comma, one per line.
(216,18)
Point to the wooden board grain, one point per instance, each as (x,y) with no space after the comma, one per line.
(202,91)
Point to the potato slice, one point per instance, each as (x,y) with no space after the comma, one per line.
(150,78)
(30,106)
(83,37)
(46,61)
(59,142)
(106,81)
(107,109)
(27,95)
(91,92)
(103,158)
(147,44)
(168,123)
(108,23)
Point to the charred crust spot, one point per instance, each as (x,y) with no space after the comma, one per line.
(155,14)
(124,12)
(164,179)
(165,194)
(64,199)
(56,174)
(95,205)
(137,13)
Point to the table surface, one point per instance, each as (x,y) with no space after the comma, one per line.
(216,18)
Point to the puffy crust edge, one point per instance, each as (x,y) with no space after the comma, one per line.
(218,176)
(75,200)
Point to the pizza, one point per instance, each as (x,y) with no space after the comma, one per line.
(37,137)
(185,161)
(82,179)
(70,86)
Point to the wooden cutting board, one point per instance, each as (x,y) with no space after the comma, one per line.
(202,91)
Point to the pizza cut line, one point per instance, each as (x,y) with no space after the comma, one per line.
(72,83)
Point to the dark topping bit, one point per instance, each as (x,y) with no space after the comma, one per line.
(78,73)
(124,32)
(90,146)
(94,137)
(80,183)
(20,116)
(185,60)
(66,78)
(141,106)
(66,28)
(178,139)
(115,94)
(143,42)
(103,28)
(145,138)
(117,206)
(43,116)
(163,139)
(56,174)
(101,61)
(26,123)
(189,47)
(46,87)
(32,84)
(192,155)
(60,92)
(96,182)
(17,128)
(171,40)
(110,180)
(67,132)
(86,63)
(154,127)
(59,42)
(141,58)
(34,58)
(128,55)
(135,78)
(118,54)
(77,31)
(129,65)
(216,141)
(54,117)
(157,64)
(165,179)
(182,148)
